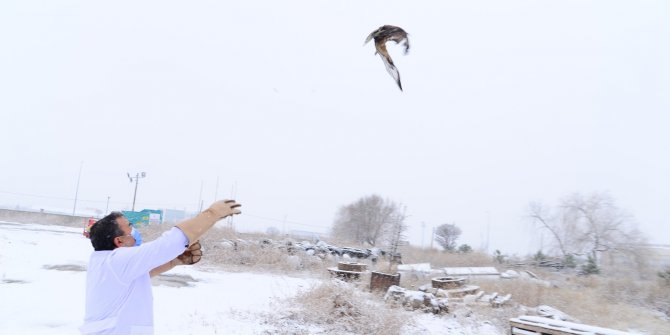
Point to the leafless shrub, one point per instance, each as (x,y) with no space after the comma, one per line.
(223,246)
(664,276)
(336,307)
(259,257)
(499,317)
(595,300)
(658,296)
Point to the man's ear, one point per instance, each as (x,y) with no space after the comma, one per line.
(117,242)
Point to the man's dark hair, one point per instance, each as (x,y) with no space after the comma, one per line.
(105,231)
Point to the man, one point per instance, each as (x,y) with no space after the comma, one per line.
(118,285)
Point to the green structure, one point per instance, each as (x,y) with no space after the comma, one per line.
(144,217)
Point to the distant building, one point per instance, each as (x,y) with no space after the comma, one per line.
(144,217)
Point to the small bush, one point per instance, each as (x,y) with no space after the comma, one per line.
(590,268)
(539,256)
(569,261)
(464,249)
(499,257)
(665,276)
(335,307)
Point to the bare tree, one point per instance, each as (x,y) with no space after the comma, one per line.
(588,226)
(446,236)
(368,220)
(542,215)
(396,237)
(600,226)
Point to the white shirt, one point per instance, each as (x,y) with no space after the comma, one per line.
(118,287)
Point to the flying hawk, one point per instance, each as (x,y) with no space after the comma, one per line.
(382,35)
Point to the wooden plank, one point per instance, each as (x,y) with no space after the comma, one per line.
(578,328)
(557,327)
(542,330)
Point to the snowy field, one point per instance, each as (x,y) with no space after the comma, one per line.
(43,285)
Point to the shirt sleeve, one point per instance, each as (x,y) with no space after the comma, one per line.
(130,263)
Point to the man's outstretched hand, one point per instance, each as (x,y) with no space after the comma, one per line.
(197,226)
(191,256)
(225,208)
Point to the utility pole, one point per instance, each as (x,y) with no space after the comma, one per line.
(423,232)
(488,230)
(76,192)
(216,190)
(202,183)
(432,238)
(233,193)
(107,207)
(137,181)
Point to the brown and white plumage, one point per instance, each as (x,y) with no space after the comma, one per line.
(381,36)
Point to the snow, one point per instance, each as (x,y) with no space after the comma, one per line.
(37,300)
(436,325)
(42,270)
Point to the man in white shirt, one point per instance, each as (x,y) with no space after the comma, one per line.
(118,286)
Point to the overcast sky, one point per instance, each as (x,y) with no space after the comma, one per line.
(505,102)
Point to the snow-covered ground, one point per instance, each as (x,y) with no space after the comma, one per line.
(42,286)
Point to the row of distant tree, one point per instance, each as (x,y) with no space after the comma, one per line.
(579,225)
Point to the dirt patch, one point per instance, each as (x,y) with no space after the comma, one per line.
(14,281)
(173,280)
(66,267)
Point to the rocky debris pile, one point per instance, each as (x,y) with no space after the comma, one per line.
(320,249)
(425,301)
(555,263)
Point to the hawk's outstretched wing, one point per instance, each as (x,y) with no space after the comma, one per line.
(382,35)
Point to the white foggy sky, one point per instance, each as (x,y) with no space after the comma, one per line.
(505,102)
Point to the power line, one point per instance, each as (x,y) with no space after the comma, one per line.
(36,195)
(107,201)
(93,201)
(283,220)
